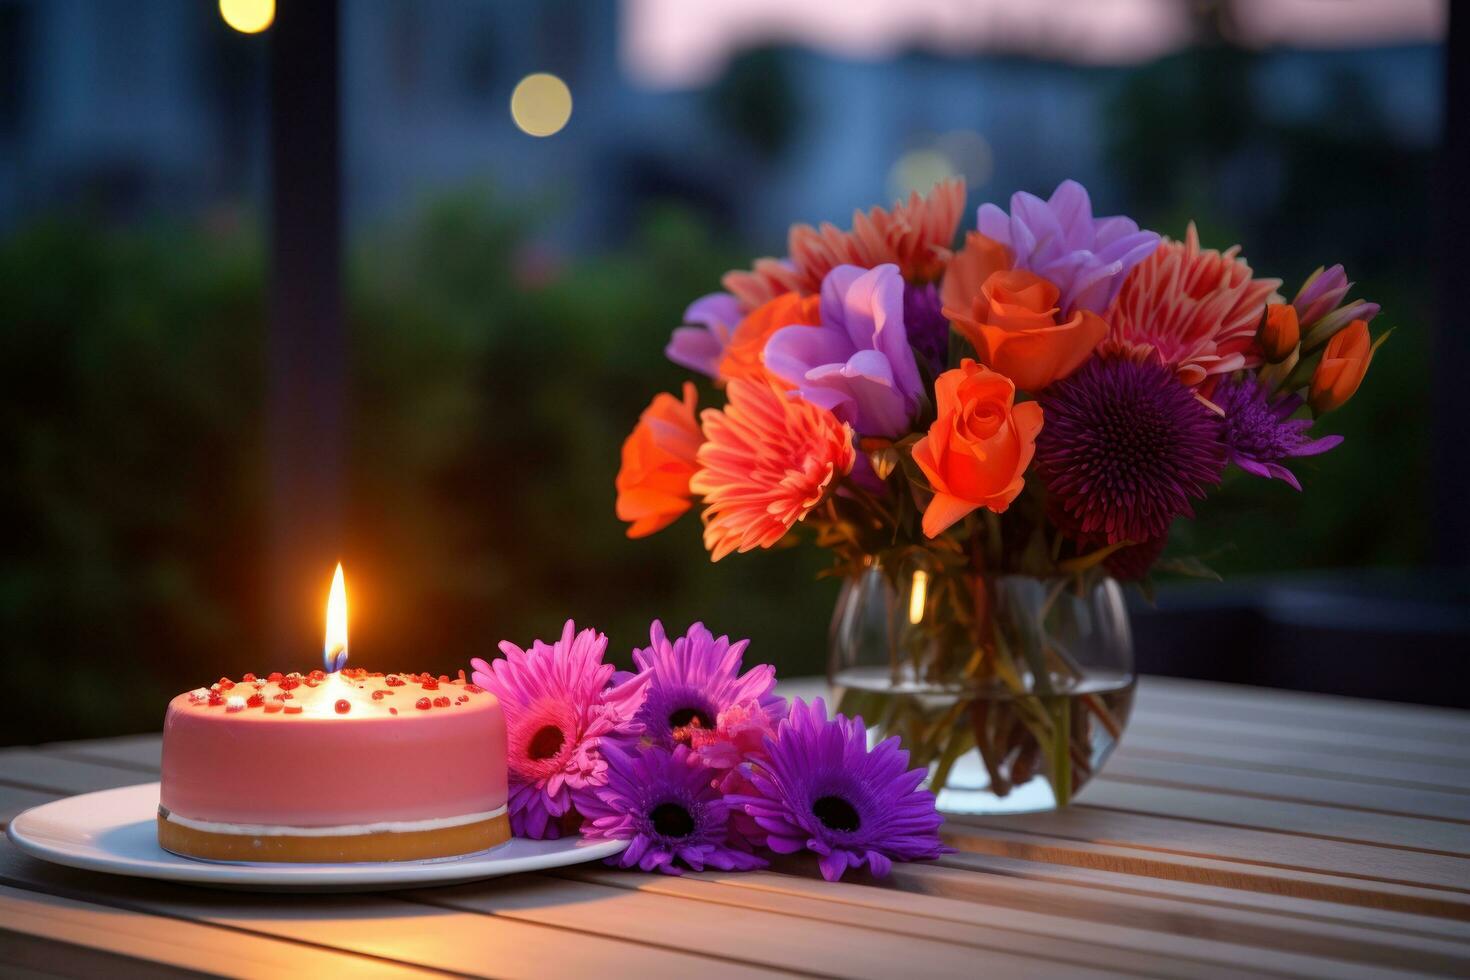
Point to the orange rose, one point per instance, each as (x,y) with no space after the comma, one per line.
(658,460)
(977,451)
(969,269)
(1343,365)
(1280,332)
(743,355)
(1013,323)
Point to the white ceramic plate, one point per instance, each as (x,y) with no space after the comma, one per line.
(116,831)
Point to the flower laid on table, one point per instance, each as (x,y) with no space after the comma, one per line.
(696,764)
(821,789)
(559,709)
(1043,401)
(695,678)
(668,807)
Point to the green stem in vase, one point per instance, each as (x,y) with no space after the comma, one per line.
(1061,748)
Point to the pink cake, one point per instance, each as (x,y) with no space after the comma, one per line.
(348,766)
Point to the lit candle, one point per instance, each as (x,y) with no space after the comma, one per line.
(425,772)
(334,648)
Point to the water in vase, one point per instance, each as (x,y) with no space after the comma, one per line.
(1000,752)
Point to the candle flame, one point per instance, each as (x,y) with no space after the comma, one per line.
(334,650)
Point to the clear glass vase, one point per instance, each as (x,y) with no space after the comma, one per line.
(1012,690)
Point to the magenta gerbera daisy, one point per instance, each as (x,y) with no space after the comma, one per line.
(1125,447)
(1260,433)
(823,790)
(696,677)
(558,711)
(666,806)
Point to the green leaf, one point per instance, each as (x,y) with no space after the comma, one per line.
(1188,566)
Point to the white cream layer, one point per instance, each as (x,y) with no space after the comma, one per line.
(340,830)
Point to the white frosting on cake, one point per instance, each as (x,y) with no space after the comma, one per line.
(341,830)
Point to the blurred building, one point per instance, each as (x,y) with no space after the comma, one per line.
(130,109)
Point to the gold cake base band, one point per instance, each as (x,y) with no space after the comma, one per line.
(410,845)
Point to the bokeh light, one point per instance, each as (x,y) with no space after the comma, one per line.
(918,170)
(541,104)
(248,16)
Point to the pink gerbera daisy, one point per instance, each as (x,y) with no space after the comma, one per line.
(558,710)
(1195,310)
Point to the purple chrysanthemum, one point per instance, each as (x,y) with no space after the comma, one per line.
(693,679)
(928,328)
(700,346)
(1259,433)
(1124,448)
(822,789)
(665,804)
(1086,258)
(558,711)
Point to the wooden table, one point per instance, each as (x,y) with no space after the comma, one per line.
(1235,831)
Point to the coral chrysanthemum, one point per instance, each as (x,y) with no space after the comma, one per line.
(696,677)
(917,236)
(1124,449)
(558,712)
(822,789)
(666,806)
(766,462)
(1197,310)
(1260,433)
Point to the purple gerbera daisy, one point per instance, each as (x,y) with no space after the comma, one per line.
(1124,448)
(822,789)
(693,679)
(665,804)
(1259,432)
(558,710)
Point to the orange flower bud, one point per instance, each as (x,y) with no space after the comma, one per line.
(658,460)
(1280,333)
(1343,365)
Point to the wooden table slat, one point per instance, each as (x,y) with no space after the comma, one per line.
(184,945)
(1236,830)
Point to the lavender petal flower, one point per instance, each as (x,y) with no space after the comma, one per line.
(700,348)
(858,364)
(1086,258)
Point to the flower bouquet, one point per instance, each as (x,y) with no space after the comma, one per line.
(988,435)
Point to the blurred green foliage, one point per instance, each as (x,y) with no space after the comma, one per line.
(492,384)
(491,391)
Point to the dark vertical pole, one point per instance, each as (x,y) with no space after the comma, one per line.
(307,363)
(1451,418)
